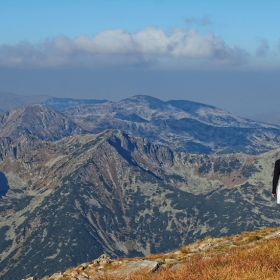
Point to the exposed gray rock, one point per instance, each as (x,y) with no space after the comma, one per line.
(37,120)
(273,235)
(176,266)
(181,125)
(85,195)
(135,266)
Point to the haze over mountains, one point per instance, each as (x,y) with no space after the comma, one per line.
(126,178)
(9,100)
(178,124)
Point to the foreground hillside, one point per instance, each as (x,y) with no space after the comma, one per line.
(69,201)
(250,255)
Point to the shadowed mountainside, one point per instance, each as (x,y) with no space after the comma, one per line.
(250,255)
(71,200)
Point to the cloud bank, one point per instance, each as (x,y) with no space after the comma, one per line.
(119,47)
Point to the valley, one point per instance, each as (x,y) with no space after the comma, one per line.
(69,195)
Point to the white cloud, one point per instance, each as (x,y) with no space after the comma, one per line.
(121,47)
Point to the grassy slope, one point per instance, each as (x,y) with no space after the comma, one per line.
(250,255)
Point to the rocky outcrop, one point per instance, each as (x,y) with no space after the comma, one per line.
(124,268)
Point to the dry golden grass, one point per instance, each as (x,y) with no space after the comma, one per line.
(248,256)
(258,262)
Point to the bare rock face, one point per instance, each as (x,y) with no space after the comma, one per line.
(37,120)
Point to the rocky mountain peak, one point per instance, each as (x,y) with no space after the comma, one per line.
(180,125)
(38,120)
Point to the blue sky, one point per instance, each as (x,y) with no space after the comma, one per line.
(180,44)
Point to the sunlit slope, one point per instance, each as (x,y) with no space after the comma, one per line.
(71,200)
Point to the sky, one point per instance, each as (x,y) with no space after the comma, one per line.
(221,53)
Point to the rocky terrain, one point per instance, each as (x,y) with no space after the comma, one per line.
(73,187)
(179,124)
(173,263)
(43,122)
(69,201)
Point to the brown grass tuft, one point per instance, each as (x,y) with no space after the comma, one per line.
(257,263)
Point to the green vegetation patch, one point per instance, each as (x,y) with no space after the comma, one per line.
(248,170)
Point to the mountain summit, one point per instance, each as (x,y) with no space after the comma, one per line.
(37,120)
(181,125)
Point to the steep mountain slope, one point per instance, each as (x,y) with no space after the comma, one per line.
(9,100)
(37,120)
(181,125)
(250,255)
(69,201)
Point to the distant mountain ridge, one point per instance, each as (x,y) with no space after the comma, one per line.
(181,125)
(38,120)
(9,100)
(62,103)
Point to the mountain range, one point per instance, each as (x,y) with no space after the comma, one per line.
(71,200)
(127,178)
(179,124)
